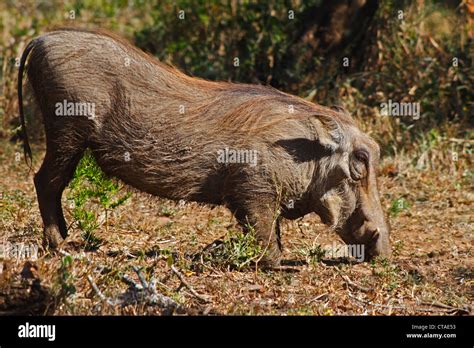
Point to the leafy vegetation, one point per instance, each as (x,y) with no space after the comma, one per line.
(399,205)
(317,254)
(92,192)
(238,251)
(66,277)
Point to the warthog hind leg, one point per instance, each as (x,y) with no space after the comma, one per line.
(54,175)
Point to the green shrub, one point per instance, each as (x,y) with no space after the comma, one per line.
(399,205)
(238,251)
(316,254)
(91,191)
(212,34)
(66,277)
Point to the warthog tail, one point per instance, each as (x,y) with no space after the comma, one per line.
(26,145)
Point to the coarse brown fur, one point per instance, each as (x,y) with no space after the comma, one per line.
(161,131)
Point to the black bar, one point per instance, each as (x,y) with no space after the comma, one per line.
(289,331)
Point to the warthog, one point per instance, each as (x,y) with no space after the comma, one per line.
(262,153)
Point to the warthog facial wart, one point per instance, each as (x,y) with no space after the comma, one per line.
(186,139)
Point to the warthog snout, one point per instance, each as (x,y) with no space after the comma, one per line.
(379,244)
(350,201)
(374,236)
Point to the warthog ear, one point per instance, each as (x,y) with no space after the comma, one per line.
(304,150)
(331,136)
(329,132)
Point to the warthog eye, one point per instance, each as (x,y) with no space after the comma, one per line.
(362,155)
(359,163)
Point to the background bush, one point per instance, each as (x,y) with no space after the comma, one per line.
(398,50)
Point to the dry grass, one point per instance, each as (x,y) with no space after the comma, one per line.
(431,271)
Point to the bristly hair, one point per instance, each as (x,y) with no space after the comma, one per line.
(261,106)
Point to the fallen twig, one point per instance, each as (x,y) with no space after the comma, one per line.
(323,296)
(187,285)
(352,284)
(63,252)
(145,291)
(98,292)
(447,307)
(154,297)
(456,140)
(377,304)
(130,282)
(141,277)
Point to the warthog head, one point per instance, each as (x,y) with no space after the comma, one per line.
(346,196)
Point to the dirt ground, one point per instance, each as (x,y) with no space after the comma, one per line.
(430,273)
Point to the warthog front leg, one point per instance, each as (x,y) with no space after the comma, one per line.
(262,219)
